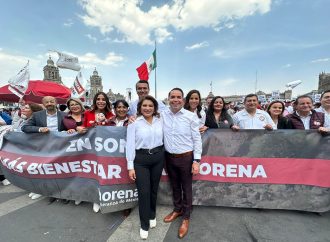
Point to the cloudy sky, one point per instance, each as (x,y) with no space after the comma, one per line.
(225,42)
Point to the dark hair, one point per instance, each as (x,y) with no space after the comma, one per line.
(199,106)
(107,106)
(62,107)
(210,108)
(35,107)
(273,102)
(302,96)
(326,91)
(153,100)
(176,89)
(142,81)
(116,103)
(250,95)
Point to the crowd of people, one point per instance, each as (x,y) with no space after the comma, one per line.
(168,137)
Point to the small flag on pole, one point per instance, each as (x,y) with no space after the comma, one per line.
(147,66)
(66,61)
(19,83)
(78,88)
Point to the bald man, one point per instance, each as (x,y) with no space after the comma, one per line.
(46,120)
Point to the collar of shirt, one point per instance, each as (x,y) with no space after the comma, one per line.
(51,115)
(154,119)
(245,113)
(309,114)
(182,110)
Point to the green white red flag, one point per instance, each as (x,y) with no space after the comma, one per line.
(147,66)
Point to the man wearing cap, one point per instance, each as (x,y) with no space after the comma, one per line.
(251,117)
(142,90)
(183,147)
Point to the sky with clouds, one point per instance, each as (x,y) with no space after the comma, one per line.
(226,42)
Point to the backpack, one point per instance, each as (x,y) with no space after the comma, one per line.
(6,118)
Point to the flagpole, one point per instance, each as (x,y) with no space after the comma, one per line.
(155,74)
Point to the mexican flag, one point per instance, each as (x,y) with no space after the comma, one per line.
(147,66)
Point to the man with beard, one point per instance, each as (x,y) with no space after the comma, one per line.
(46,120)
(251,117)
(142,90)
(183,147)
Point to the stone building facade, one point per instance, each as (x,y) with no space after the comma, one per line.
(95,84)
(51,72)
(324,82)
(113,97)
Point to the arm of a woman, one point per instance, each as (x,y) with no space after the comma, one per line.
(130,150)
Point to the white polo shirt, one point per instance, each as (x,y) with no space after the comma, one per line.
(246,121)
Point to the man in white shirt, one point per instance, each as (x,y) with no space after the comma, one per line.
(183,147)
(325,103)
(142,90)
(251,117)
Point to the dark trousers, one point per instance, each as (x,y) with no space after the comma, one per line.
(148,170)
(179,173)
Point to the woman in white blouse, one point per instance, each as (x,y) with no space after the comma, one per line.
(145,158)
(193,104)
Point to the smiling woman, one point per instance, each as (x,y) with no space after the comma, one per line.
(101,104)
(145,158)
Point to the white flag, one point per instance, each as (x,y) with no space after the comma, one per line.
(68,62)
(19,83)
(78,88)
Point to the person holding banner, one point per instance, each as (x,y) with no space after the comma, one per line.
(193,104)
(217,116)
(46,120)
(101,104)
(306,118)
(145,159)
(75,117)
(275,109)
(26,113)
(251,117)
(183,145)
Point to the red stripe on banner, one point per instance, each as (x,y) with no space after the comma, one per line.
(106,170)
(302,171)
(113,170)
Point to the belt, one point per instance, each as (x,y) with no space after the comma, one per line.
(179,155)
(150,151)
